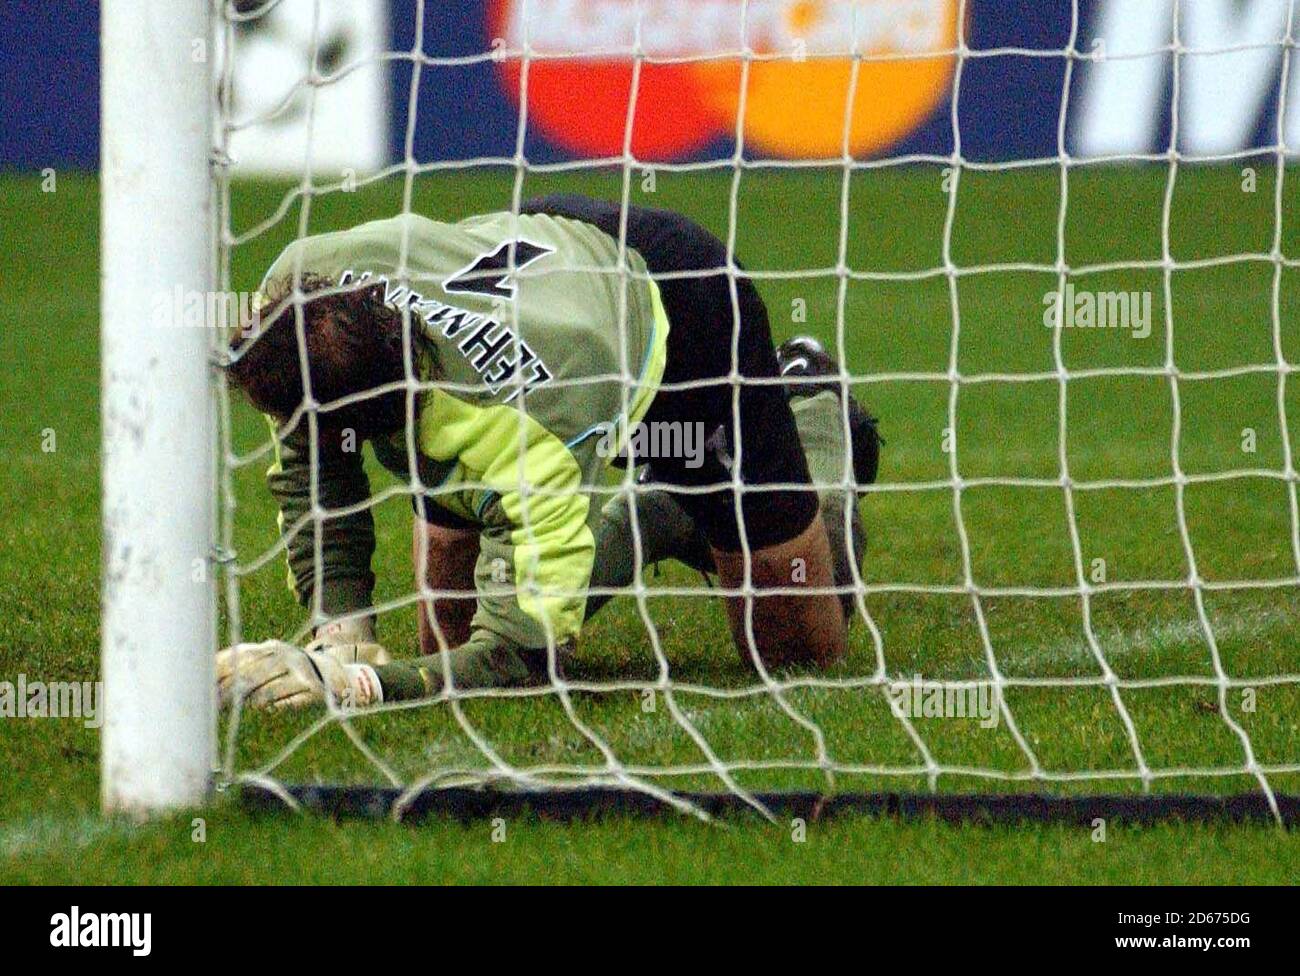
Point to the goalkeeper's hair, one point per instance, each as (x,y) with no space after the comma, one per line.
(354,344)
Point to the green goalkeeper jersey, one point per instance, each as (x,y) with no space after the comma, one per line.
(542,348)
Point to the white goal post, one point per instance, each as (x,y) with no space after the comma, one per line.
(159,608)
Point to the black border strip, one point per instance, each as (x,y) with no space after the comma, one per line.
(473,803)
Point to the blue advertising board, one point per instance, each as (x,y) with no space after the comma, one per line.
(575,90)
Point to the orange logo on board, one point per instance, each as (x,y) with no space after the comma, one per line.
(581,70)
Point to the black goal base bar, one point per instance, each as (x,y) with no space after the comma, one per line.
(475,803)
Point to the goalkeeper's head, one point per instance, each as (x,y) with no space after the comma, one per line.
(353,343)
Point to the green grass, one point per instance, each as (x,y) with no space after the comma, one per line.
(1119,427)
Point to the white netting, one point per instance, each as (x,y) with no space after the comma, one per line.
(711,751)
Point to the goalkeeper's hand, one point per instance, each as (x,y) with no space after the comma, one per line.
(276,675)
(350,642)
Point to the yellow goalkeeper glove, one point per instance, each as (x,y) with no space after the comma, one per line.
(275,675)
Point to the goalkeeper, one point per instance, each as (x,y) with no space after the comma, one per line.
(528,387)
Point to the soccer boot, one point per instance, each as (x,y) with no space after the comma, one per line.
(810,370)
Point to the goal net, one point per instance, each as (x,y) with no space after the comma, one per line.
(1083,550)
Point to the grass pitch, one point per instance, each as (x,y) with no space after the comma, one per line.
(1018,543)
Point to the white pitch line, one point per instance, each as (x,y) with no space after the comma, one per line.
(1156,637)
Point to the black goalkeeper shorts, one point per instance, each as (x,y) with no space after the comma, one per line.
(704,319)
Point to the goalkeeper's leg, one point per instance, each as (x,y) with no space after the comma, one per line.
(750,494)
(444,550)
(787,627)
(666,531)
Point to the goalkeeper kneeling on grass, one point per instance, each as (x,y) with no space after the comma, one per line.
(516,342)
